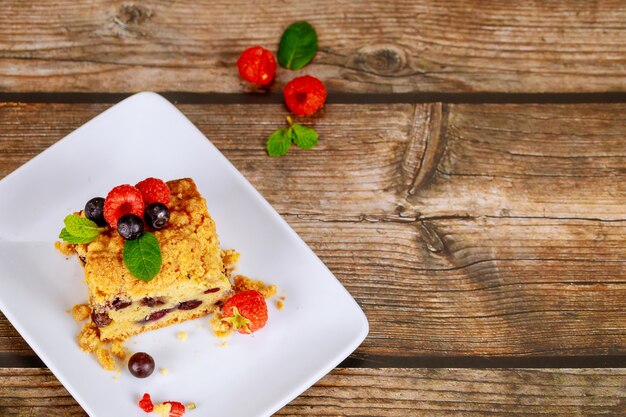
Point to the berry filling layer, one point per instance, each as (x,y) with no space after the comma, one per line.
(121,317)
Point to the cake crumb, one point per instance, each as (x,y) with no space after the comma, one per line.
(88,339)
(105,359)
(118,349)
(164,371)
(280,304)
(230,257)
(182,336)
(221,328)
(191,406)
(162,409)
(224,344)
(81,312)
(65,248)
(243,283)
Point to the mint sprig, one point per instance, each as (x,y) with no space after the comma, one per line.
(304,137)
(298,45)
(79,230)
(279,142)
(142,256)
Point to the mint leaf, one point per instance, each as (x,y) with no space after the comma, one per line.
(279,142)
(70,238)
(81,227)
(304,137)
(142,256)
(298,45)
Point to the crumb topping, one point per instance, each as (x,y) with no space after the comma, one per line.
(65,248)
(105,358)
(230,257)
(189,248)
(81,312)
(118,349)
(88,338)
(221,327)
(243,283)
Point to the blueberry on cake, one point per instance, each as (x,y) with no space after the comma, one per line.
(151,256)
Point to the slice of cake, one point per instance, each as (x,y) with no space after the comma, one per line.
(189,284)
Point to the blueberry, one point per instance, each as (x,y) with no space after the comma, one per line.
(141,365)
(189,305)
(156,215)
(94,211)
(101,319)
(130,226)
(156,315)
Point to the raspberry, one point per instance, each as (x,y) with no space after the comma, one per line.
(146,403)
(122,200)
(177,410)
(246,310)
(257,65)
(154,190)
(304,95)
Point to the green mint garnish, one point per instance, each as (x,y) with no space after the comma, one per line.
(79,229)
(304,137)
(298,45)
(142,256)
(279,142)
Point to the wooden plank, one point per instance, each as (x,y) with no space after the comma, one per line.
(452,247)
(481,287)
(387,392)
(360,148)
(495,287)
(429,46)
(563,161)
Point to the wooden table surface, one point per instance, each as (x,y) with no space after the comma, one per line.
(468,188)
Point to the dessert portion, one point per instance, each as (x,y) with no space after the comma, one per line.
(190,282)
(151,258)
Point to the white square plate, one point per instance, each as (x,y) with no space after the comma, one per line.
(144,136)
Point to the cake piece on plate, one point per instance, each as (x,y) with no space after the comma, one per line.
(189,284)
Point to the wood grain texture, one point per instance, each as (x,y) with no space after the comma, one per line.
(452,245)
(387,392)
(373,47)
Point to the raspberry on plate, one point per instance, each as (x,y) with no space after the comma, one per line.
(246,310)
(304,95)
(154,190)
(177,410)
(257,65)
(121,200)
(146,403)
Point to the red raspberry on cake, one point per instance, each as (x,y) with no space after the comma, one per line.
(121,200)
(257,65)
(154,190)
(304,95)
(246,311)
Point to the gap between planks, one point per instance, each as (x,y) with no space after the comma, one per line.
(334,97)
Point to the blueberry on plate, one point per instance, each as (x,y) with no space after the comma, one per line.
(141,365)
